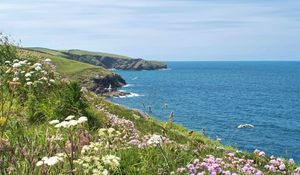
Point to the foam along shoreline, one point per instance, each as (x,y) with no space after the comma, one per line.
(129,95)
(121,94)
(128,85)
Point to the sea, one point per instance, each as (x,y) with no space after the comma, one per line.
(216,97)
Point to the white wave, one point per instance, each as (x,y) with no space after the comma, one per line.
(129,95)
(164,69)
(128,85)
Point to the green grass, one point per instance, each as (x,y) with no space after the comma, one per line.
(76,52)
(103,54)
(70,68)
(94,58)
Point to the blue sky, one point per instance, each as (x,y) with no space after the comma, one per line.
(160,29)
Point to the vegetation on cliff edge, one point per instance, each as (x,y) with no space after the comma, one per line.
(52,126)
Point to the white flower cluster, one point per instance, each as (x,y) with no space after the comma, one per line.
(68,122)
(92,147)
(111,160)
(92,160)
(155,140)
(93,164)
(110,132)
(50,161)
(27,73)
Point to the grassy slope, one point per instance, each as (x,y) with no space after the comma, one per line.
(133,161)
(145,126)
(89,57)
(83,52)
(76,52)
(74,70)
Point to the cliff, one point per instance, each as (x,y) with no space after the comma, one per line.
(94,78)
(106,60)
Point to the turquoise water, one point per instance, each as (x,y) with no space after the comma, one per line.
(218,96)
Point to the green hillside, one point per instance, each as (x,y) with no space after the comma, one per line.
(52,126)
(105,60)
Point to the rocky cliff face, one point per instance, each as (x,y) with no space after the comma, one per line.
(106,60)
(101,84)
(96,78)
(114,62)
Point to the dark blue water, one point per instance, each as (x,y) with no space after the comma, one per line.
(218,96)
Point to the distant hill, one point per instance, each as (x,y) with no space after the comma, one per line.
(106,60)
(94,78)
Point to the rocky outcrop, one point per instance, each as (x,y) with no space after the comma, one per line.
(102,84)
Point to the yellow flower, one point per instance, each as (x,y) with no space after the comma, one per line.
(2,121)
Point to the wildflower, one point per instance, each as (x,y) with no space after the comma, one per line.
(256,151)
(48,60)
(261,153)
(110,130)
(282,166)
(180,170)
(44,72)
(38,68)
(29,83)
(15,79)
(82,119)
(230,154)
(23,62)
(105,172)
(297,170)
(72,123)
(111,160)
(52,81)
(16,65)
(291,161)
(154,140)
(53,122)
(40,163)
(44,78)
(37,65)
(50,161)
(70,117)
(63,124)
(28,74)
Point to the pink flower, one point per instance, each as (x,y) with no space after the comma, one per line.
(230,154)
(180,170)
(297,170)
(196,161)
(291,161)
(258,173)
(282,166)
(227,173)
